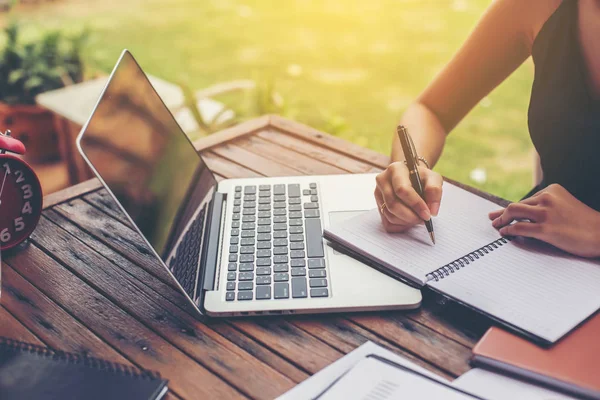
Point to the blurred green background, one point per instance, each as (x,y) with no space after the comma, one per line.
(349,67)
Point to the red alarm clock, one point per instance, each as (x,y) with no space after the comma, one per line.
(20,194)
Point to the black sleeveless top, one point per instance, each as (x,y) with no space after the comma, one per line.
(564,118)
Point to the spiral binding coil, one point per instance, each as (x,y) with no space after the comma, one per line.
(7,345)
(455,265)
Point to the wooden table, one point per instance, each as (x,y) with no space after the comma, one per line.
(87,284)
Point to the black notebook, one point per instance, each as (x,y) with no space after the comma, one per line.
(529,287)
(32,372)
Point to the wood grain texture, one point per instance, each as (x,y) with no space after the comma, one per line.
(13,329)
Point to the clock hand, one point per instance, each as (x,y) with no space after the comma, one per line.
(2,188)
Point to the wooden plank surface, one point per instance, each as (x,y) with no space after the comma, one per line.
(88,283)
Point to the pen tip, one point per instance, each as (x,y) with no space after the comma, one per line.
(432,235)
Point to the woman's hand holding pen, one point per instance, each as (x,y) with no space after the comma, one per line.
(555,216)
(404,208)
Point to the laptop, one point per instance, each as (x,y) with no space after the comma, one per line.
(235,247)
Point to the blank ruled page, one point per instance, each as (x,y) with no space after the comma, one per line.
(461,227)
(530,285)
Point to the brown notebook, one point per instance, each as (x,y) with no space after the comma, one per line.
(571,366)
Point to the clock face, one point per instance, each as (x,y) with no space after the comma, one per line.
(20,201)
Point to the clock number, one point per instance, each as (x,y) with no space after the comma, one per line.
(19,224)
(26,208)
(5,235)
(7,168)
(27,191)
(20,176)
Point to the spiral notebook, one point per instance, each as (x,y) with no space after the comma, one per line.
(529,287)
(33,372)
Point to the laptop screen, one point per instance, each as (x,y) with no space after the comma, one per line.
(148,163)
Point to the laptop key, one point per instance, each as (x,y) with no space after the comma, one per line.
(250,197)
(319,292)
(263,236)
(235,216)
(238,188)
(237,209)
(279,197)
(316,263)
(295,207)
(264,187)
(263,292)
(314,198)
(248,234)
(280,234)
(280,268)
(295,201)
(251,189)
(311,214)
(280,259)
(296,229)
(231,266)
(247,250)
(245,286)
(298,271)
(235,224)
(233,249)
(263,271)
(317,273)
(263,214)
(262,253)
(263,262)
(246,276)
(230,285)
(280,242)
(230,296)
(310,205)
(246,258)
(298,262)
(279,212)
(278,189)
(297,254)
(297,238)
(264,201)
(233,257)
(294,190)
(279,205)
(297,246)
(295,222)
(264,193)
(238,196)
(306,192)
(313,191)
(299,289)
(280,250)
(247,242)
(245,267)
(314,237)
(231,276)
(246,226)
(279,227)
(279,219)
(263,280)
(281,290)
(249,218)
(295,214)
(264,229)
(263,245)
(312,185)
(281,277)
(249,204)
(318,282)
(264,221)
(245,295)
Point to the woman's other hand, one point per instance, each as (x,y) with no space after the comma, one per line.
(404,207)
(555,216)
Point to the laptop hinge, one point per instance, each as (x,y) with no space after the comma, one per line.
(211,250)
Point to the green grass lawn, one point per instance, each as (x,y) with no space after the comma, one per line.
(347,66)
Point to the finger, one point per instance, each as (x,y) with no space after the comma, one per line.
(433,190)
(385,219)
(495,214)
(404,191)
(394,211)
(525,229)
(517,211)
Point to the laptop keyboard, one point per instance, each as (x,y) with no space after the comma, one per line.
(185,263)
(276,246)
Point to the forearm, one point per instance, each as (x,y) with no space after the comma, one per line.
(426,131)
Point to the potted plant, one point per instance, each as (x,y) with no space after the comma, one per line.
(28,68)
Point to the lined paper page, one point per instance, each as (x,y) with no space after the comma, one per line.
(461,227)
(531,285)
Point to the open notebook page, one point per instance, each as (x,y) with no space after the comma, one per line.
(461,227)
(531,285)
